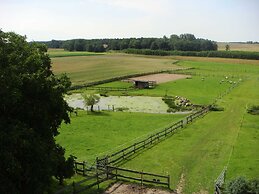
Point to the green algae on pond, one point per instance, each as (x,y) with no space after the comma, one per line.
(127,103)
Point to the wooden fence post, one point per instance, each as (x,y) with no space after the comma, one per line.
(141,175)
(74,187)
(168,180)
(83,168)
(97,177)
(76,167)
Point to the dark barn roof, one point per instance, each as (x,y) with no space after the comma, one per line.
(144,84)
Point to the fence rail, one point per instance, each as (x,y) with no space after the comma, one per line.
(143,177)
(122,154)
(220,181)
(110,88)
(119,156)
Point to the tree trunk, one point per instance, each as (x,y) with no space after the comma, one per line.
(92,108)
(61,181)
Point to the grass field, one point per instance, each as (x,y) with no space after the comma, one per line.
(198,89)
(53,53)
(84,69)
(238,46)
(200,151)
(89,135)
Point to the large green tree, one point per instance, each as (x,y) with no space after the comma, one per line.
(32,108)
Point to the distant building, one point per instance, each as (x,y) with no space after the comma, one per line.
(144,84)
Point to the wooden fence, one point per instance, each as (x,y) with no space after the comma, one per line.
(142,177)
(111,172)
(110,88)
(121,155)
(84,184)
(220,181)
(197,114)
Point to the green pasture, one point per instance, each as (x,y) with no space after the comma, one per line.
(201,150)
(199,89)
(85,69)
(90,135)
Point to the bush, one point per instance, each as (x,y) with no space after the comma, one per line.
(215,107)
(104,93)
(254,110)
(121,109)
(242,186)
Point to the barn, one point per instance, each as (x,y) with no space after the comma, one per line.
(144,84)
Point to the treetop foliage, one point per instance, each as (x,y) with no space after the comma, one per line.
(32,108)
(184,42)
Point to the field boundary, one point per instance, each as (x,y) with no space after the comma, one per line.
(117,157)
(111,172)
(75,87)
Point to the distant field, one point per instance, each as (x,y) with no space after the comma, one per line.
(238,46)
(62,53)
(84,69)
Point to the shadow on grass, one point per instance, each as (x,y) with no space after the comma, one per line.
(95,113)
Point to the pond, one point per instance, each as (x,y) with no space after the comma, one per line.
(127,103)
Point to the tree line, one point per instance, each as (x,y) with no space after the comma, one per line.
(184,42)
(220,54)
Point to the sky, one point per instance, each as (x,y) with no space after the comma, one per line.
(218,20)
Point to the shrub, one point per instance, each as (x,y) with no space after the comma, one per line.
(254,110)
(242,186)
(121,109)
(237,186)
(215,107)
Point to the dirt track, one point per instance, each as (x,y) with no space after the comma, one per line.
(120,188)
(161,77)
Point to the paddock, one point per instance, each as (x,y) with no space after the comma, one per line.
(160,77)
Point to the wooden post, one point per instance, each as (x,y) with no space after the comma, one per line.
(76,167)
(97,159)
(141,175)
(97,177)
(168,180)
(74,187)
(83,168)
(107,172)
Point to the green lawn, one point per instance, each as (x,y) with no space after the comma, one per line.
(89,135)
